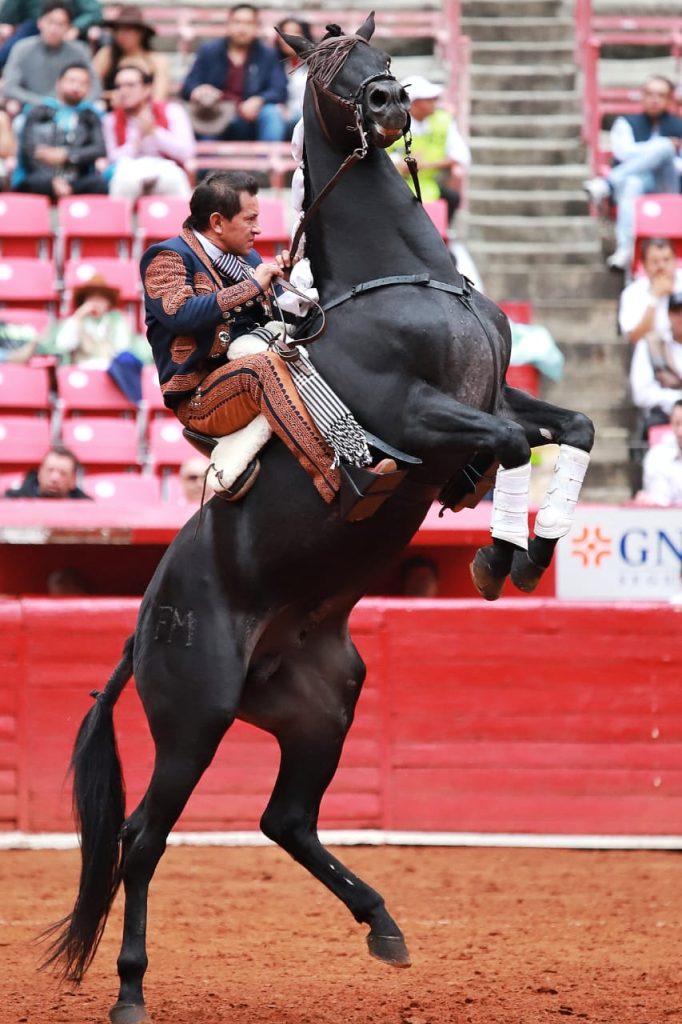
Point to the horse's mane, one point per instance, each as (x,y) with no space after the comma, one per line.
(328,56)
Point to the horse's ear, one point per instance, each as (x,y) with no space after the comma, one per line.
(298,44)
(366,30)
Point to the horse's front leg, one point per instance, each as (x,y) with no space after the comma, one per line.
(543,424)
(309,707)
(436,421)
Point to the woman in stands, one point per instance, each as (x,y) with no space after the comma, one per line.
(296,70)
(131,44)
(97,331)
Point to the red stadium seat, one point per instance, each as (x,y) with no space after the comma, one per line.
(25,227)
(94,226)
(167,446)
(660,433)
(39,319)
(24,389)
(274,234)
(23,441)
(519,312)
(159,217)
(123,488)
(525,378)
(437,210)
(102,441)
(28,282)
(8,481)
(657,216)
(91,391)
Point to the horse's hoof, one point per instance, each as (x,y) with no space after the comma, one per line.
(488,583)
(129,1013)
(391,949)
(525,574)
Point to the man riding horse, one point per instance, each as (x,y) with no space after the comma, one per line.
(204,290)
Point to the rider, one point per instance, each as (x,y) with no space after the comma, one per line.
(203,289)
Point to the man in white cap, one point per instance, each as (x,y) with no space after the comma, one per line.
(441,152)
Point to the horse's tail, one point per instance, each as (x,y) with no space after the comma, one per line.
(99,809)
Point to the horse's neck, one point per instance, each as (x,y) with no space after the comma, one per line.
(369,226)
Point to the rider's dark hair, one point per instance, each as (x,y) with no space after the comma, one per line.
(219,193)
(57,5)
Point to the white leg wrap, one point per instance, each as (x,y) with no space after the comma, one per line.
(555,518)
(510,505)
(234,452)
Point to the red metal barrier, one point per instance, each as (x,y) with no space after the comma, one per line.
(516,717)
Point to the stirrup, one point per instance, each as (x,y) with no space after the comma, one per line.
(203,443)
(362,492)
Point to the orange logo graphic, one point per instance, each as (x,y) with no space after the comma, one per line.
(591,546)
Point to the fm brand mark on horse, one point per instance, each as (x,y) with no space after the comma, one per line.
(247,614)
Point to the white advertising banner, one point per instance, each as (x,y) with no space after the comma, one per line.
(621,554)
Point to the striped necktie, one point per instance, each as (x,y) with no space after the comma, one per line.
(232,267)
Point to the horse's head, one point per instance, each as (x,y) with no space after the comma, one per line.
(355,96)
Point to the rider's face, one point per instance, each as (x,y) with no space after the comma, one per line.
(238,235)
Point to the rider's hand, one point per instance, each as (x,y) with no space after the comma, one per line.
(285,263)
(265,272)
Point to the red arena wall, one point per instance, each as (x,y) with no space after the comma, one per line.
(523,716)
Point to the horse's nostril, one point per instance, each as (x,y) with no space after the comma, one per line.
(379,98)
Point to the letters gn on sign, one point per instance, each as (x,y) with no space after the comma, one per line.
(621,554)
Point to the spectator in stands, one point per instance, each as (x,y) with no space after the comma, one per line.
(97,331)
(18,20)
(131,44)
(295,69)
(18,342)
(441,152)
(643,303)
(67,583)
(656,368)
(35,64)
(61,140)
(55,477)
(645,147)
(8,150)
(147,143)
(419,577)
(663,466)
(237,84)
(192,477)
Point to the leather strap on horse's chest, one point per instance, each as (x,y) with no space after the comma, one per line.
(425,280)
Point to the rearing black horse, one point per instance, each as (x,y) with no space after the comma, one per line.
(247,614)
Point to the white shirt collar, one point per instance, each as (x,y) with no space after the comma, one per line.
(211,250)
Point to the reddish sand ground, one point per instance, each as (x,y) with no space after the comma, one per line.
(246,937)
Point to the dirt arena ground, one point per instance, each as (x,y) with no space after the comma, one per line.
(244,936)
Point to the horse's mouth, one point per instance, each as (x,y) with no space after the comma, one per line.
(384,137)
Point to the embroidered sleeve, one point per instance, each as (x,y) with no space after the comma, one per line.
(237,294)
(166,279)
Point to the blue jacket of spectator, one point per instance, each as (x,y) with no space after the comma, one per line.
(264,75)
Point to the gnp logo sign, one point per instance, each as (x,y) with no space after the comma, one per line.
(621,555)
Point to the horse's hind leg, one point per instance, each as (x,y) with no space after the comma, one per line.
(184,749)
(574,433)
(313,699)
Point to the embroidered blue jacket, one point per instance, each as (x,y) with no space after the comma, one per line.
(191,316)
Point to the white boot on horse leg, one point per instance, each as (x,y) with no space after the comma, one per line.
(509,528)
(555,518)
(234,455)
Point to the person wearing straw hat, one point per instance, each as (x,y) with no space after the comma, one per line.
(131,44)
(97,331)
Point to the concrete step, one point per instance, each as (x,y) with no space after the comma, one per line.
(549,282)
(534,103)
(490,255)
(533,30)
(520,77)
(520,9)
(512,52)
(571,230)
(494,150)
(529,203)
(526,177)
(562,126)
